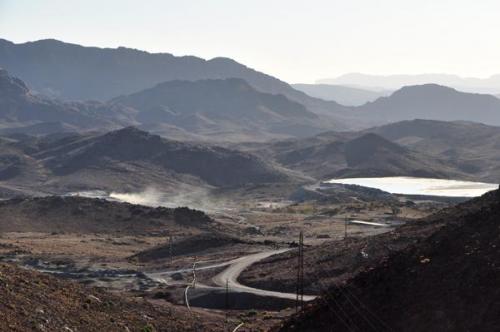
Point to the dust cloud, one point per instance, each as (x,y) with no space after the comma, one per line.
(195,198)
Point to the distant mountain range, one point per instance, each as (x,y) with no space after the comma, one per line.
(19,108)
(337,155)
(75,72)
(433,102)
(128,160)
(489,85)
(345,95)
(428,148)
(229,108)
(471,147)
(220,109)
(188,98)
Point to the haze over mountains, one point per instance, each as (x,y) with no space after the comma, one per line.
(432,102)
(219,100)
(215,107)
(489,85)
(190,98)
(345,95)
(19,107)
(227,109)
(72,71)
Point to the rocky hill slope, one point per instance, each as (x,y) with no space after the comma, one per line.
(472,147)
(131,147)
(229,107)
(446,281)
(429,148)
(19,107)
(354,154)
(32,301)
(216,110)
(87,215)
(127,160)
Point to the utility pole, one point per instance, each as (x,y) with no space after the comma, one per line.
(170,249)
(299,301)
(345,231)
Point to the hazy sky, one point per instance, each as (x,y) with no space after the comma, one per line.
(298,41)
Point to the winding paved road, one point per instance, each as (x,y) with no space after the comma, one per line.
(231,274)
(237,266)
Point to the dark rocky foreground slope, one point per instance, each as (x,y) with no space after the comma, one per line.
(446,281)
(32,301)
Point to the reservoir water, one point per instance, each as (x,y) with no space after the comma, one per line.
(421,186)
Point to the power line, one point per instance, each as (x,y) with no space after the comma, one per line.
(226,307)
(362,305)
(342,312)
(358,309)
(368,310)
(300,288)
